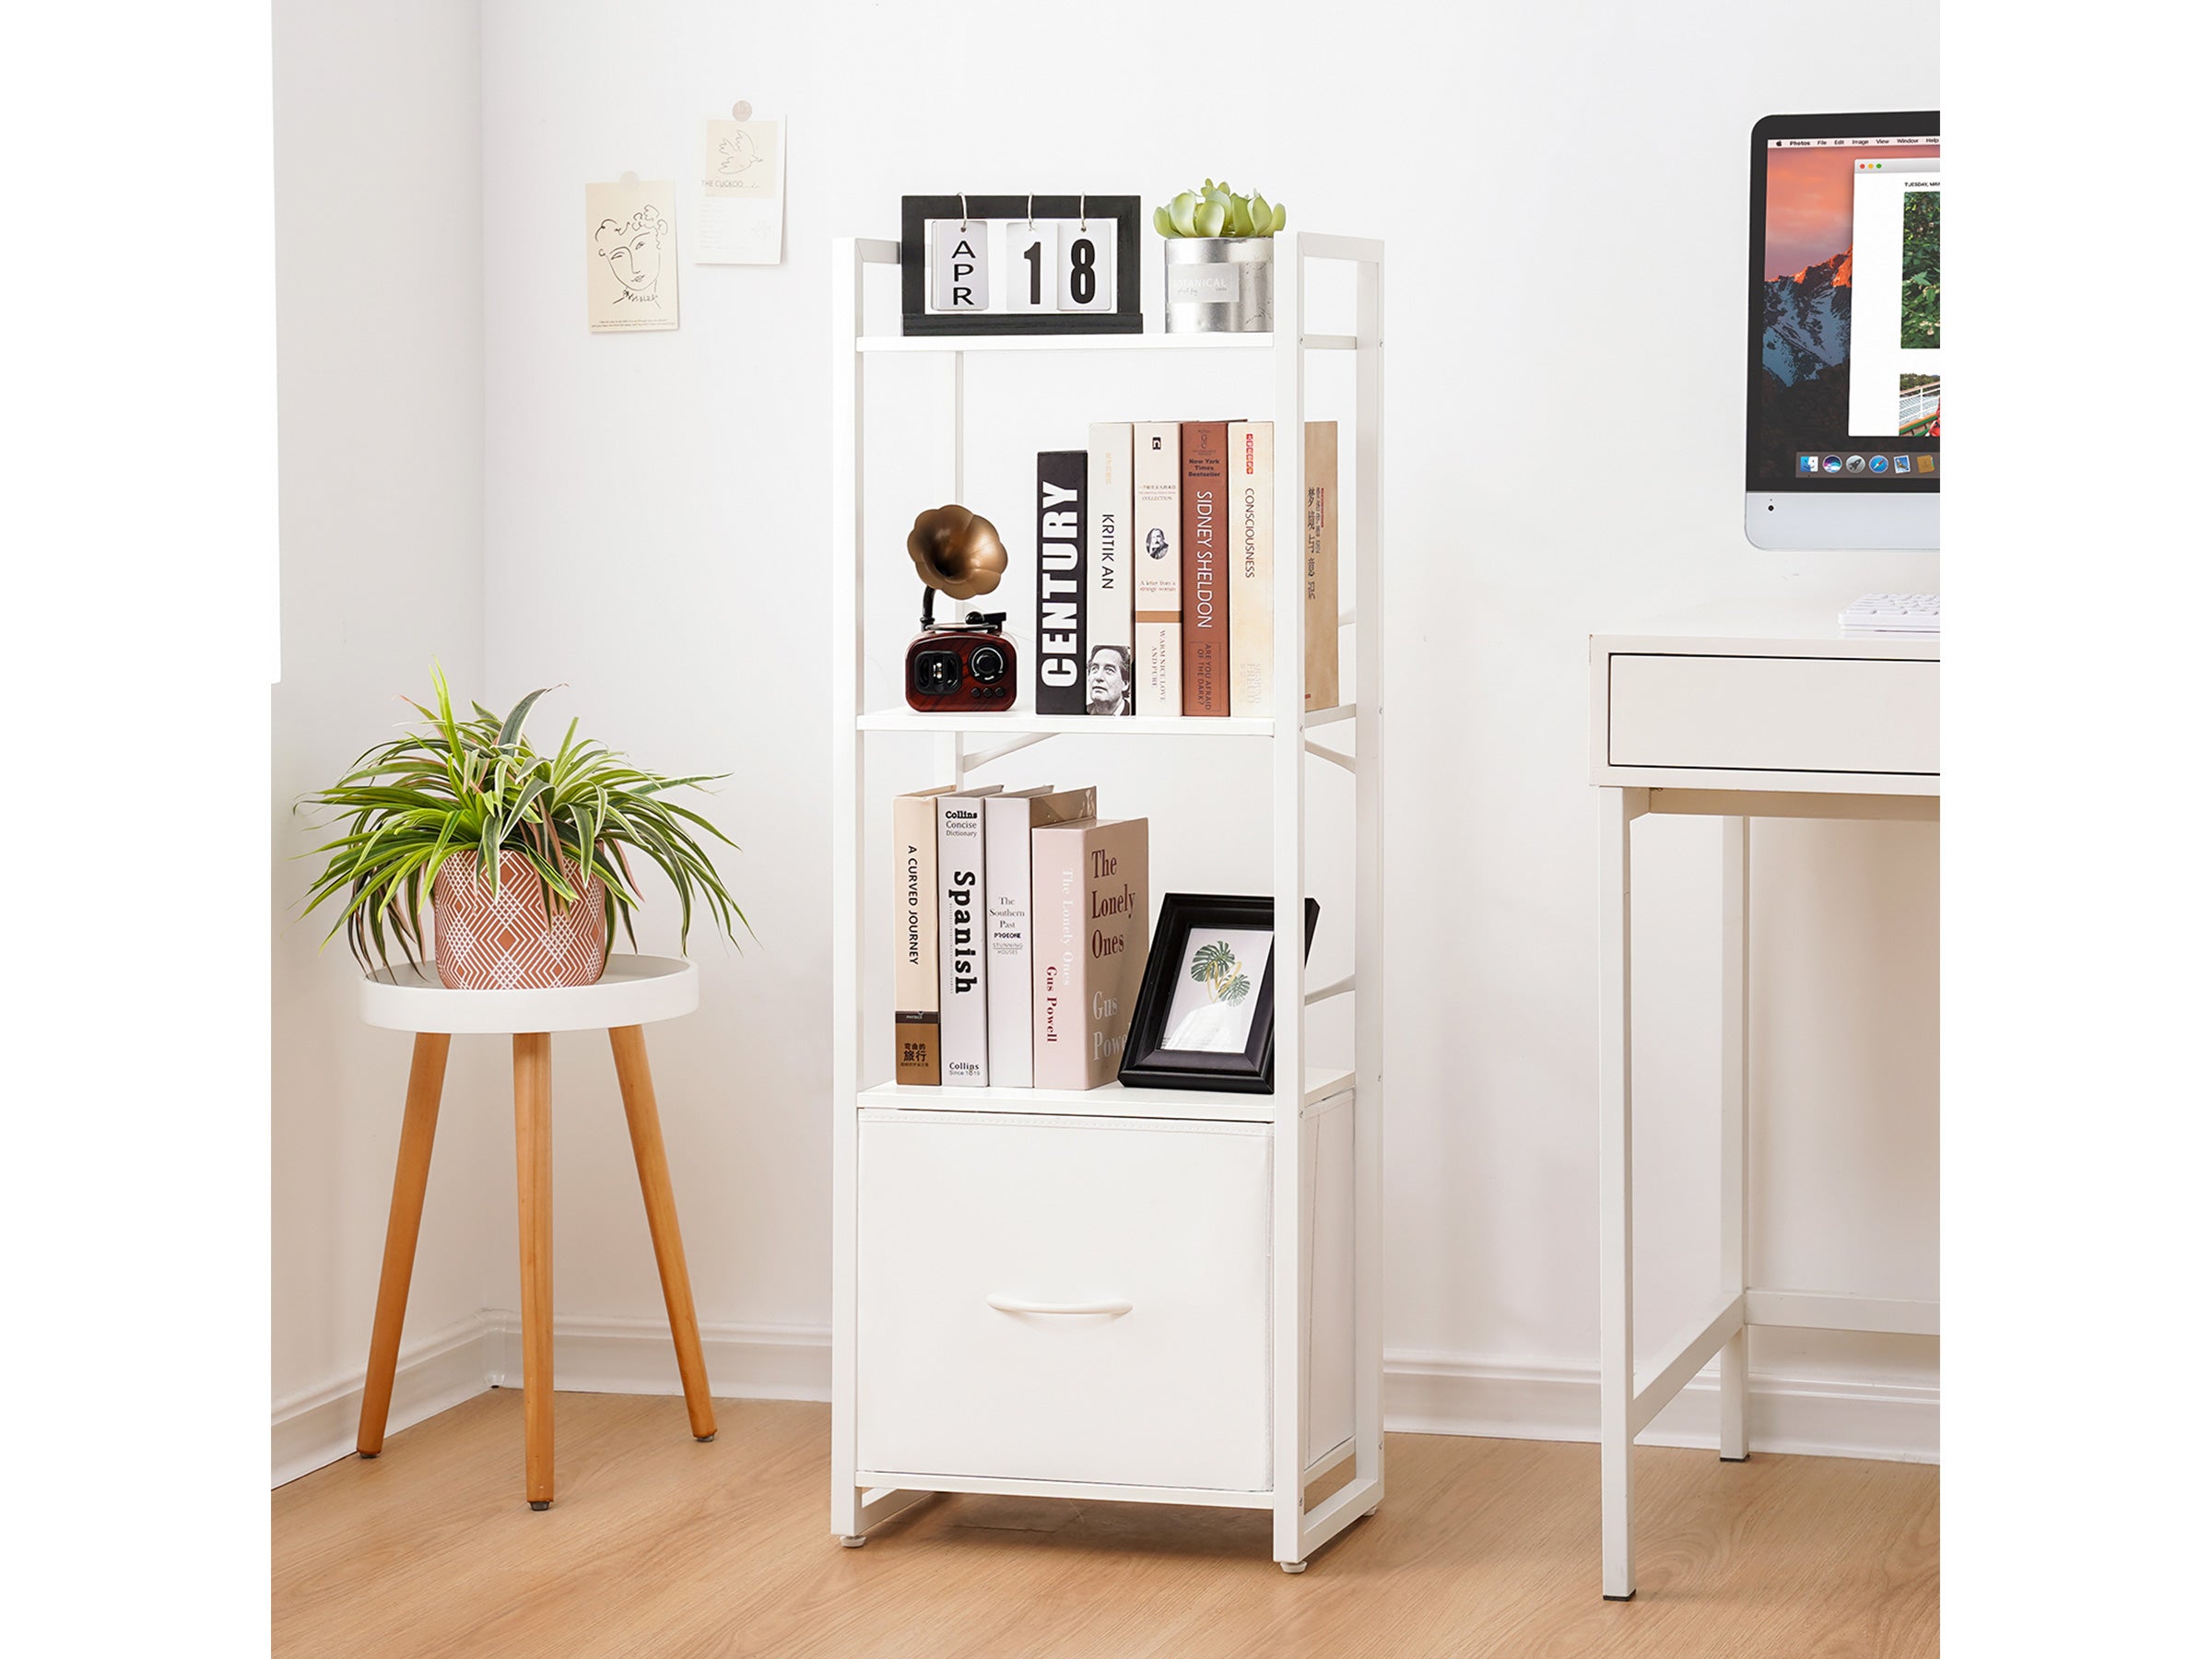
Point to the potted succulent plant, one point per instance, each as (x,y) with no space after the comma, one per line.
(522,857)
(1220,260)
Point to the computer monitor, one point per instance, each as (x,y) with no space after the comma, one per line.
(1843,410)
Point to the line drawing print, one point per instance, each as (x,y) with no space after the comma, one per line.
(738,152)
(633,249)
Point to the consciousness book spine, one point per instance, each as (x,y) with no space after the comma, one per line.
(1009,937)
(1093,910)
(1109,619)
(1205,598)
(963,1021)
(1155,543)
(1321,667)
(1061,483)
(915,918)
(1251,567)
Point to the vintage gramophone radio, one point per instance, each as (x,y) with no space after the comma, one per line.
(961,665)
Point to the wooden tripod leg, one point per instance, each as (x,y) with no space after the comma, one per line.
(534,1205)
(635,1077)
(426,1083)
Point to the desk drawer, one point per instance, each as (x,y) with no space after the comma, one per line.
(971,1222)
(1772,713)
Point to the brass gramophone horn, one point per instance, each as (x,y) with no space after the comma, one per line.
(957,552)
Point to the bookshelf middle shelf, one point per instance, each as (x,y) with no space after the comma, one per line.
(1111,1100)
(1139,725)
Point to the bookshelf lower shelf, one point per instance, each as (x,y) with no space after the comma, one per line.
(1323,1082)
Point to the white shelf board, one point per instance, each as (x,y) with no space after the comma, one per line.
(1140,726)
(1111,1100)
(1138,342)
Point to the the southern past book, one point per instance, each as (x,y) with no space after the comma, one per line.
(1205,598)
(1108,682)
(915,918)
(1009,937)
(1061,483)
(1092,914)
(1251,567)
(1321,565)
(963,1027)
(1155,553)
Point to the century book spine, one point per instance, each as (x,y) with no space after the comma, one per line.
(1251,567)
(1156,537)
(1060,484)
(1322,667)
(914,973)
(1205,602)
(1109,619)
(963,1024)
(1092,908)
(1010,933)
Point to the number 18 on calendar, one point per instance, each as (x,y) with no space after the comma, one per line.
(1023,266)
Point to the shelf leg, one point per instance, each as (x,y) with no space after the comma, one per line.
(1735,1096)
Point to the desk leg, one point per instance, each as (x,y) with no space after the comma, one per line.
(533,1207)
(646,1144)
(1617,808)
(426,1083)
(1735,1137)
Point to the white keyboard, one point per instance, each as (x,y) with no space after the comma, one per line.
(1894,613)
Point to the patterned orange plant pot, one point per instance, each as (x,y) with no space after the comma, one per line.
(508,942)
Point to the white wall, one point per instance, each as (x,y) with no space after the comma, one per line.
(1562,192)
(381,389)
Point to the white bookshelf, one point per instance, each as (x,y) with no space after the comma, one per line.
(1226,1387)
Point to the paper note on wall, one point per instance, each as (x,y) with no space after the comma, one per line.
(741,194)
(629,255)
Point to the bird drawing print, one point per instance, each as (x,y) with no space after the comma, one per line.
(738,152)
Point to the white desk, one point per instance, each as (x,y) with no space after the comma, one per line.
(1735,715)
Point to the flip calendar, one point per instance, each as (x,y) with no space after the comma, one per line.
(1020,264)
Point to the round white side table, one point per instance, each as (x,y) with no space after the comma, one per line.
(634,991)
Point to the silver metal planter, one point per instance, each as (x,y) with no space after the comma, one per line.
(1220,284)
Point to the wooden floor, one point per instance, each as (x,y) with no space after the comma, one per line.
(659,1544)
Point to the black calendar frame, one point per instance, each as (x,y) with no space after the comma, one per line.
(1125,211)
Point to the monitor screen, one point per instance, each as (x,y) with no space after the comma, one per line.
(1846,372)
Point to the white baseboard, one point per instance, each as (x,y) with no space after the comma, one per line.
(1422,1393)
(1444,1393)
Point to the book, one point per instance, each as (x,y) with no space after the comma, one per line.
(1109,680)
(963,1026)
(1092,912)
(1204,599)
(1251,577)
(1322,691)
(1155,543)
(1061,483)
(914,920)
(1009,936)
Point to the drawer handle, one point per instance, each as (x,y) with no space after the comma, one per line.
(1013,1304)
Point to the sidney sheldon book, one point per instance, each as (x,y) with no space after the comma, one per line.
(1205,592)
(1092,912)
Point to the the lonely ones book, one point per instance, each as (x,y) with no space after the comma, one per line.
(1092,911)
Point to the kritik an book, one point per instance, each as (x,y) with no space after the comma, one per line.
(1109,680)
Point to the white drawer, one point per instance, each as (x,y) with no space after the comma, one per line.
(966,1219)
(1772,713)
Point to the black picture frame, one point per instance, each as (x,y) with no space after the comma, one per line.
(1125,211)
(1144,1063)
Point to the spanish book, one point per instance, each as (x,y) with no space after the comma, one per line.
(1060,484)
(1009,937)
(1093,913)
(1321,691)
(963,1023)
(1155,539)
(1205,598)
(1109,683)
(1251,567)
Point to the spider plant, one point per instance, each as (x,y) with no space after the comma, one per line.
(472,788)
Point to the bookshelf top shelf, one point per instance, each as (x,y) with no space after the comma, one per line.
(1127,342)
